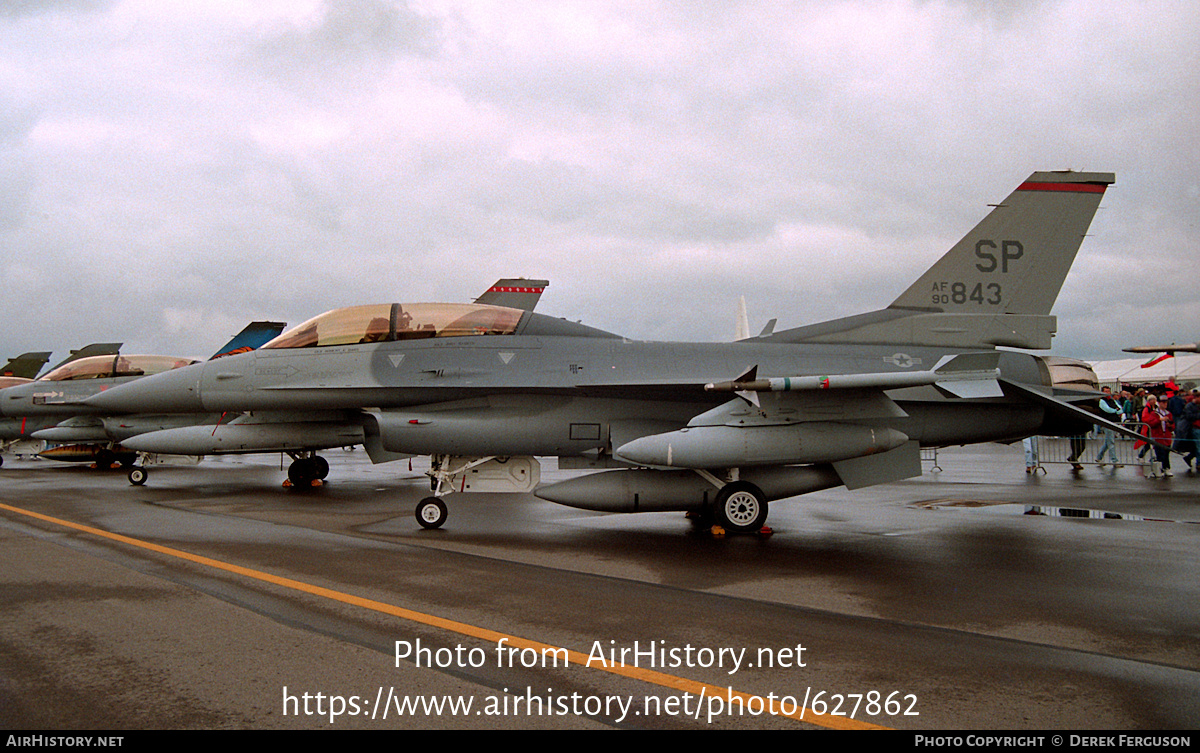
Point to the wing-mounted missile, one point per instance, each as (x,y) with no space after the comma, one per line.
(969,375)
(807,419)
(88,453)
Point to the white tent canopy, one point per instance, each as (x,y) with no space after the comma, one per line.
(1180,368)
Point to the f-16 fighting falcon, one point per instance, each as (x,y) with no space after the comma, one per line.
(50,407)
(718,428)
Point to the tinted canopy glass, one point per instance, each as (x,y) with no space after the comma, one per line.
(385,322)
(107,367)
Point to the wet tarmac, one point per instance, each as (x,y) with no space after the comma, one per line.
(979,597)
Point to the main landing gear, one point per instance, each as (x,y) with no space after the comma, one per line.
(739,507)
(307,470)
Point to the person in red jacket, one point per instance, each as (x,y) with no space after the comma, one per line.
(1160,426)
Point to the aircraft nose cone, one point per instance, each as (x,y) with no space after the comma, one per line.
(175,391)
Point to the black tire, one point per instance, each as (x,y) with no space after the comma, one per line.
(740,507)
(431,512)
(301,473)
(137,476)
(320,466)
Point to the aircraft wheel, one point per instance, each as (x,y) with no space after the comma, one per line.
(701,517)
(320,466)
(137,476)
(301,473)
(740,506)
(431,512)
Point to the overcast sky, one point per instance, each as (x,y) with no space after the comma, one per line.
(170,171)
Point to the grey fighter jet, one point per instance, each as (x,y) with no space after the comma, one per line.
(50,408)
(22,370)
(722,428)
(300,434)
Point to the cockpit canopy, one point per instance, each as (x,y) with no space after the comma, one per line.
(108,367)
(385,322)
(12,381)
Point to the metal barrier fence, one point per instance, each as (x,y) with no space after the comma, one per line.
(929,455)
(1086,450)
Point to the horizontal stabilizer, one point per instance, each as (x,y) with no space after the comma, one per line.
(1066,410)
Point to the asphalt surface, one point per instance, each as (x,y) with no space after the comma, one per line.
(937,603)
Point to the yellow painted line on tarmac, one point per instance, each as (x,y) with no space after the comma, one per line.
(650,676)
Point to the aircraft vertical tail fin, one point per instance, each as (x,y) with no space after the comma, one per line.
(252,337)
(1016,259)
(95,349)
(25,366)
(516,293)
(996,286)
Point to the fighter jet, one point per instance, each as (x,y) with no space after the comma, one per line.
(22,370)
(300,434)
(50,407)
(722,428)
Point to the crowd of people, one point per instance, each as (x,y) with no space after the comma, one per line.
(1170,418)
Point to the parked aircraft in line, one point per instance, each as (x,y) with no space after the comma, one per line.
(22,370)
(50,407)
(299,434)
(722,427)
